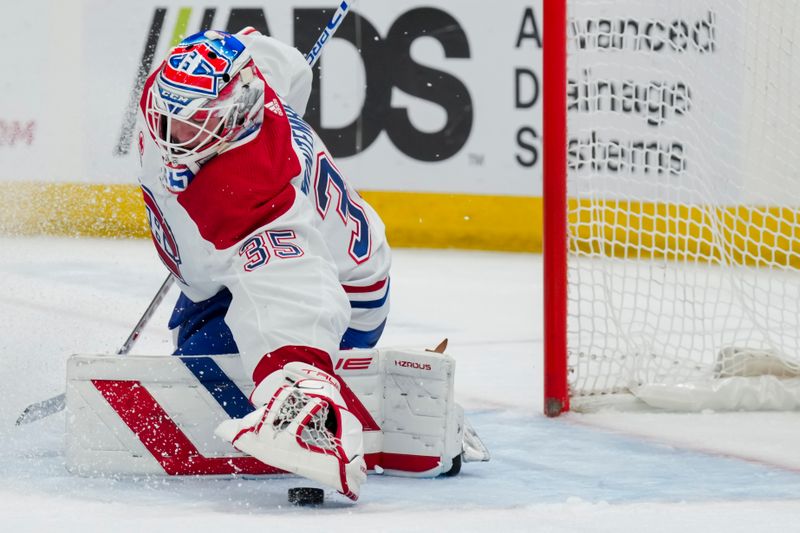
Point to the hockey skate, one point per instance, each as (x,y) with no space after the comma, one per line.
(303,427)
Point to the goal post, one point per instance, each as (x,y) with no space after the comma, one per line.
(671,186)
(554,192)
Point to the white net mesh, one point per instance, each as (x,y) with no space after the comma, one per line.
(684,187)
(314,433)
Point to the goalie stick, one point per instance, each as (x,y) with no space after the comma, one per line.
(328,31)
(51,406)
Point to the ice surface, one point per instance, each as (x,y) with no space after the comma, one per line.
(594,472)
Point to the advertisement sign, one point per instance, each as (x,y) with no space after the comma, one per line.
(409,96)
(681,102)
(437,106)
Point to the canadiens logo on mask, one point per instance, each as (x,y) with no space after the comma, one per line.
(197,69)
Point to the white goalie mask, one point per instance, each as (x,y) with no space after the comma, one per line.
(205,97)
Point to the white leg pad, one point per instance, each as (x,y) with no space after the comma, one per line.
(155,415)
(410,394)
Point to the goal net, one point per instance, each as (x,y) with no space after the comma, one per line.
(676,134)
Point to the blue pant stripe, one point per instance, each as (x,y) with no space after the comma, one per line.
(354,338)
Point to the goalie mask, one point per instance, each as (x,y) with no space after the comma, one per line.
(206,96)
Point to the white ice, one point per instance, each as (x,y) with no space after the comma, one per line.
(600,472)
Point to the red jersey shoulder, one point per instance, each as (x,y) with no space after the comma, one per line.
(246,187)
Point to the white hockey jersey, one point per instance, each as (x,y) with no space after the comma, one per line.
(274,222)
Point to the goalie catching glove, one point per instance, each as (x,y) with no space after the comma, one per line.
(302,426)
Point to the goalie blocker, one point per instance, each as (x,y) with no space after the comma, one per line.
(156,415)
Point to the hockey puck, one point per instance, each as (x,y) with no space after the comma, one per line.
(306,496)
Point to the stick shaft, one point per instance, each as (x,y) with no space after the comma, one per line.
(146,316)
(327,32)
(37,411)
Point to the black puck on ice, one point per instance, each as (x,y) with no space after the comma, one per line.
(306,496)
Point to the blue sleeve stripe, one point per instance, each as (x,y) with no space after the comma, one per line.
(370,304)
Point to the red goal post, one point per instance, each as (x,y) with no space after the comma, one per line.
(671,188)
(554,191)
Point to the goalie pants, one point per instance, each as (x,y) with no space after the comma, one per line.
(199,328)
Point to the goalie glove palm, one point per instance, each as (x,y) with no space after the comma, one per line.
(303,427)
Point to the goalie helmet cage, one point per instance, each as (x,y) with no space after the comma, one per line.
(671,185)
